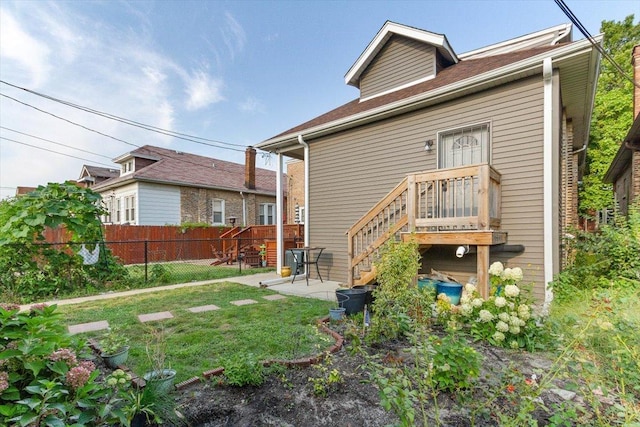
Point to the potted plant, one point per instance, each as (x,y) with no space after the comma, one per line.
(263,255)
(114,348)
(160,376)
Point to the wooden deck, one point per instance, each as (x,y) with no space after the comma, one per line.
(457,206)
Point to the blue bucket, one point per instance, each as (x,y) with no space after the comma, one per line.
(452,290)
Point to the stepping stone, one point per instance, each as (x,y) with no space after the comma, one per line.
(274,297)
(203,308)
(88,327)
(155,316)
(244,302)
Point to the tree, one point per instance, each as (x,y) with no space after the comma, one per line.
(612,113)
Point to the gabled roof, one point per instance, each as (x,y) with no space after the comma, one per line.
(190,170)
(439,41)
(577,61)
(98,172)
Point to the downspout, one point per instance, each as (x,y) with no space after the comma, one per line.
(547,77)
(302,142)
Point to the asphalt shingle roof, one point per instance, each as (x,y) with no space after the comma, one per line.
(452,74)
(180,168)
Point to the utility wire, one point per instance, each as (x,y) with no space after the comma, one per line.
(55,152)
(54,142)
(178,135)
(574,19)
(69,121)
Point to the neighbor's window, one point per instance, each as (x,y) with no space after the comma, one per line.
(218,212)
(464,146)
(130,208)
(267,214)
(127,167)
(118,210)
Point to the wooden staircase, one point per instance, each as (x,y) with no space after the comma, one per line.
(456,206)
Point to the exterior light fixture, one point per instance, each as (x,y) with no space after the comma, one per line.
(428,145)
(232,220)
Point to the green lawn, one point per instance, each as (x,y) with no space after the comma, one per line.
(197,342)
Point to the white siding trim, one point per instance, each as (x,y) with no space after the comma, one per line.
(547,73)
(279,228)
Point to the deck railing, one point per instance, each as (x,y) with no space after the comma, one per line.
(463,198)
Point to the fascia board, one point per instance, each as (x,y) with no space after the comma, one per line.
(562,28)
(528,65)
(387,30)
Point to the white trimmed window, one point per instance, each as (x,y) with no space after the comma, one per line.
(130,208)
(127,167)
(218,212)
(267,214)
(118,210)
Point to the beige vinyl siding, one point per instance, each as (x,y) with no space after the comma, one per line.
(352,170)
(401,61)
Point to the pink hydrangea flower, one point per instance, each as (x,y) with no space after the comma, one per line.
(78,376)
(64,354)
(4,381)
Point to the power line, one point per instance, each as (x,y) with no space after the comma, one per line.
(574,19)
(178,135)
(54,142)
(69,121)
(55,152)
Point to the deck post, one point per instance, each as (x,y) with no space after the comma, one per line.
(482,272)
(349,260)
(411,202)
(483,197)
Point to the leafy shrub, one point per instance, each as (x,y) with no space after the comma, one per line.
(31,269)
(602,258)
(397,300)
(45,378)
(505,319)
(243,369)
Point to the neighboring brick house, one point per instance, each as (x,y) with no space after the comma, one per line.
(624,171)
(295,191)
(159,186)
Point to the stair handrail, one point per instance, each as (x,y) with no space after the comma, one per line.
(390,229)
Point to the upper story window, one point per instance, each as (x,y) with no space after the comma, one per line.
(464,146)
(127,167)
(218,212)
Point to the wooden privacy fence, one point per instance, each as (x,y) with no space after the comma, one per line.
(137,244)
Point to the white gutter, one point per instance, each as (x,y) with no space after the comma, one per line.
(547,75)
(302,142)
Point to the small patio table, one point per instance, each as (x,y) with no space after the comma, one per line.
(306,256)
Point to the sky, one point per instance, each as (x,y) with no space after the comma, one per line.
(236,72)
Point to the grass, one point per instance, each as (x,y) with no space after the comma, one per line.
(172,273)
(196,342)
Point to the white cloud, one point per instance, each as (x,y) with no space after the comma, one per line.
(27,52)
(252,105)
(202,90)
(233,35)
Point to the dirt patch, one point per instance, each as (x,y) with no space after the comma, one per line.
(288,399)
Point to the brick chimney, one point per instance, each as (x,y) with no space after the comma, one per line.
(635,61)
(250,168)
